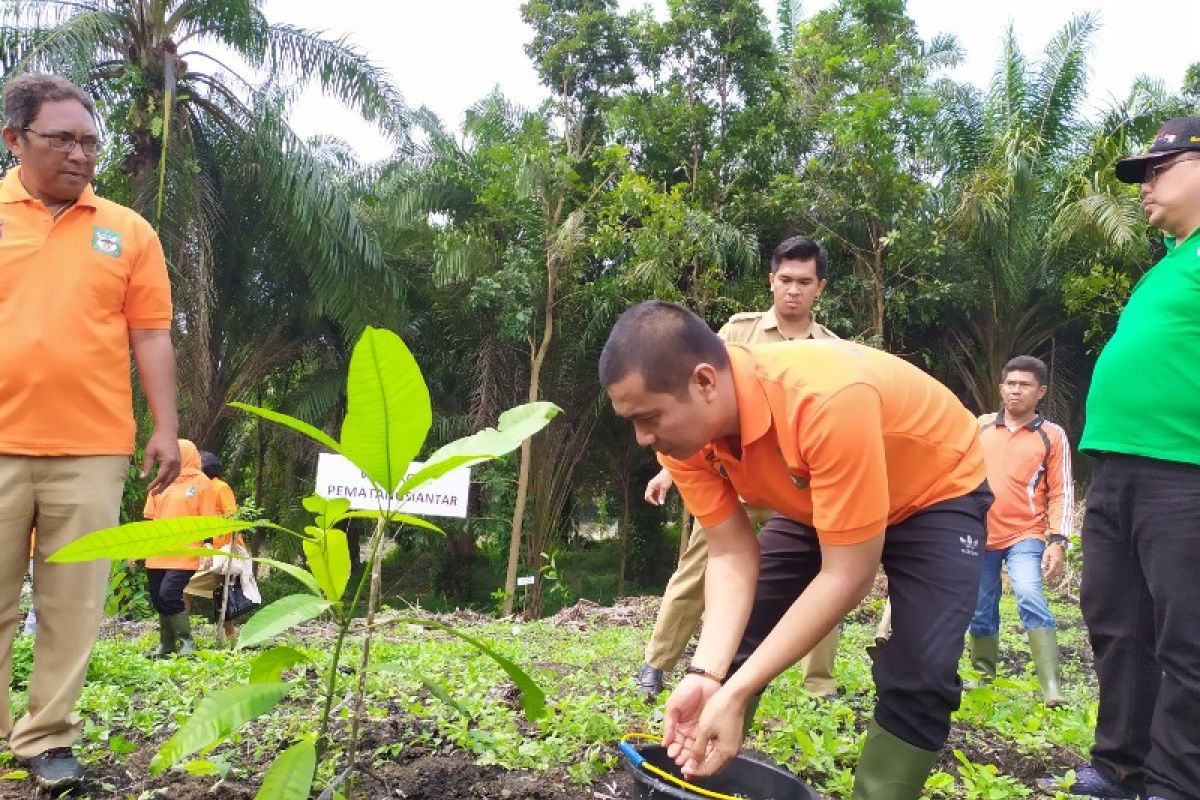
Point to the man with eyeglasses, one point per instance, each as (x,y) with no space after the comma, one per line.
(82,282)
(1141,531)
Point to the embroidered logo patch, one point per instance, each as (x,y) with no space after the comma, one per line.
(190,492)
(106,242)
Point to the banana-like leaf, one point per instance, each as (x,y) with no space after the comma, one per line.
(268,667)
(299,573)
(533,699)
(404,519)
(329,560)
(279,616)
(217,715)
(388,413)
(137,540)
(298,425)
(514,426)
(290,776)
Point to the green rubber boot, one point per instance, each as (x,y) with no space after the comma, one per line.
(181,625)
(166,636)
(891,768)
(985,654)
(1043,643)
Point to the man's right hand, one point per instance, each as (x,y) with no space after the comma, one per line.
(657,488)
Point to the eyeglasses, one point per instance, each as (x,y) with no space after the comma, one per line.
(65,142)
(1154,170)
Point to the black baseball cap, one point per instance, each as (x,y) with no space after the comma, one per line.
(1175,136)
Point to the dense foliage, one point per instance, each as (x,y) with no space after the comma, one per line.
(966,224)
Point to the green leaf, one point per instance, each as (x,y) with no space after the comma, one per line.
(404,519)
(268,667)
(279,616)
(327,511)
(201,767)
(388,412)
(137,540)
(298,425)
(15,775)
(290,776)
(442,693)
(514,426)
(299,573)
(217,715)
(533,699)
(329,560)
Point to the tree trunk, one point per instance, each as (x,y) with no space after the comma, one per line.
(878,300)
(538,357)
(685,531)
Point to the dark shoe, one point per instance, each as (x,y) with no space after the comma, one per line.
(1089,783)
(56,769)
(873,649)
(649,681)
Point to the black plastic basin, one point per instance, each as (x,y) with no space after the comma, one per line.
(744,777)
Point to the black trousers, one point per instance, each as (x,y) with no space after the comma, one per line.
(1140,596)
(166,588)
(932,560)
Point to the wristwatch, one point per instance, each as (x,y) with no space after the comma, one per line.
(1058,538)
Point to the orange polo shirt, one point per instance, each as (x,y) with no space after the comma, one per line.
(836,435)
(1035,493)
(70,290)
(192,494)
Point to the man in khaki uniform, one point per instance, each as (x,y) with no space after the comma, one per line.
(797,278)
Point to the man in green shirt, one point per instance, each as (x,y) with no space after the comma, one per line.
(1141,532)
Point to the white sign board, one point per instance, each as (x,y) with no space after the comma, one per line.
(442,497)
(525,580)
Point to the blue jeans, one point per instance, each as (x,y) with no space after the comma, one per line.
(1024,563)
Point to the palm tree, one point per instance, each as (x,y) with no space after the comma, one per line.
(1028,197)
(254,221)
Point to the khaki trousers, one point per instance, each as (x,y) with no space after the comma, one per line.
(65,497)
(683,606)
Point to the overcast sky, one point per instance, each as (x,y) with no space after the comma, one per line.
(447,54)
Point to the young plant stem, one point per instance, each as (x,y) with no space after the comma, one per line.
(372,605)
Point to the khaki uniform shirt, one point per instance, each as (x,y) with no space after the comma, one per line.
(761,327)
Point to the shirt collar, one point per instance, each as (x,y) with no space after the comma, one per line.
(13,191)
(1032,425)
(754,414)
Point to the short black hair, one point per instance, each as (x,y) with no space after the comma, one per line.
(25,94)
(801,248)
(210,465)
(663,342)
(1031,364)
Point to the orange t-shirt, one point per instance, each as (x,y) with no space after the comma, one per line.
(226,507)
(836,435)
(190,495)
(70,290)
(1031,478)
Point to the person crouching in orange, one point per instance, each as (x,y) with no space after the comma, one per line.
(190,495)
